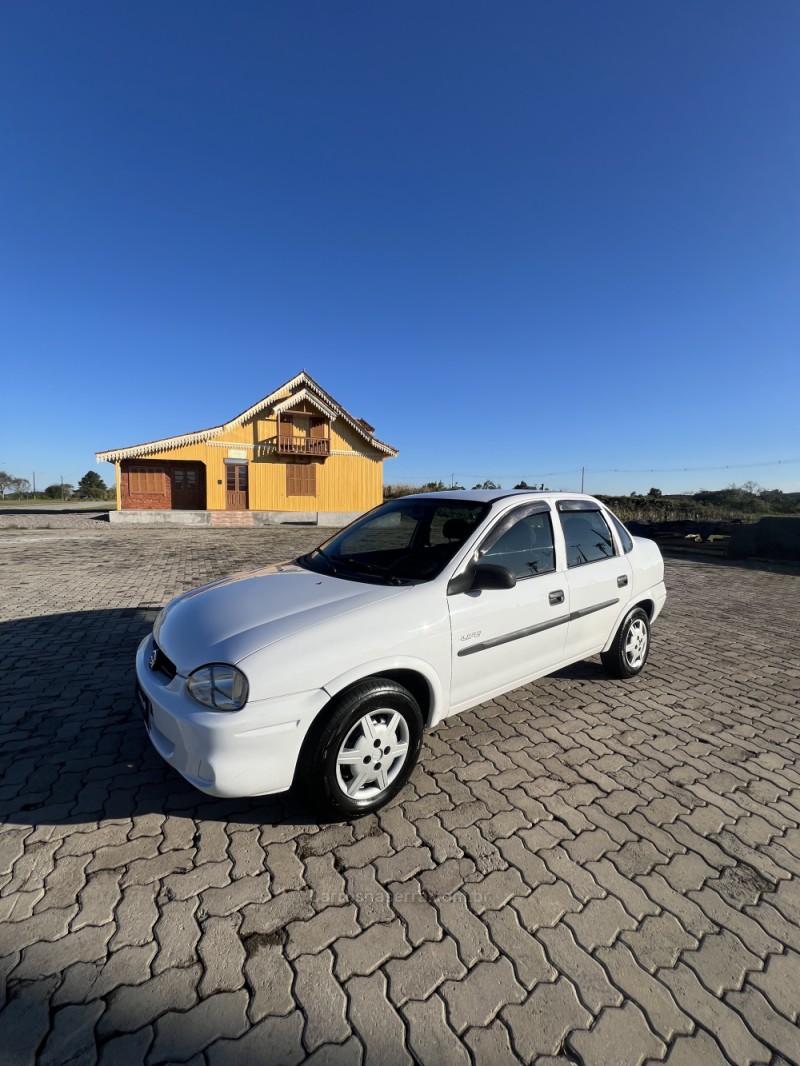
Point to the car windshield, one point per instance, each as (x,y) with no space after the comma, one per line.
(403,542)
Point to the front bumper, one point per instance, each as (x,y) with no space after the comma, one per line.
(251,752)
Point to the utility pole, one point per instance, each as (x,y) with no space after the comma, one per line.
(583,471)
(34,485)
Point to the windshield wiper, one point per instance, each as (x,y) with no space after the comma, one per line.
(370,568)
(367,568)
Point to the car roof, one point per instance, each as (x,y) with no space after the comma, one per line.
(493,495)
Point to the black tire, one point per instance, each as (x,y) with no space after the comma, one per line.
(628,654)
(320,775)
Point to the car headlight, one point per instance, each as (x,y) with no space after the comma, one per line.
(218,686)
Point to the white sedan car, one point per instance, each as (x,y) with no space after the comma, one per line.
(323,672)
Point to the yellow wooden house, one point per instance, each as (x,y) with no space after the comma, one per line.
(295,453)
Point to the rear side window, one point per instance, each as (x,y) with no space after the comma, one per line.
(622,533)
(526,548)
(587,537)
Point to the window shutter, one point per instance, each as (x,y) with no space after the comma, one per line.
(301,479)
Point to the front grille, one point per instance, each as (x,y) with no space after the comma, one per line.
(159,663)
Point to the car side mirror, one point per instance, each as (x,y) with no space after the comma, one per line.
(482,576)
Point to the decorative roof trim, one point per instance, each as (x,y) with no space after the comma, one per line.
(314,393)
(304,396)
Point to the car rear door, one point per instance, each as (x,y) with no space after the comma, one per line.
(598,575)
(501,637)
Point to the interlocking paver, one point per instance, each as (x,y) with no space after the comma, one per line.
(524,950)
(350,1053)
(715,1016)
(627,834)
(722,962)
(176,932)
(71,1038)
(26,1015)
(419,915)
(691,1050)
(621,1036)
(599,923)
(321,930)
(180,1035)
(269,976)
(323,999)
(86,980)
(540,1025)
(780,983)
(546,905)
(223,956)
(476,998)
(659,941)
(132,1007)
(44,959)
(136,915)
(491,1046)
(586,974)
(665,1017)
(421,973)
(469,932)
(377,1022)
(769,1026)
(365,952)
(580,881)
(429,1035)
(128,1050)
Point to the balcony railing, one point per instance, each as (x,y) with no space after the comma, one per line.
(285,445)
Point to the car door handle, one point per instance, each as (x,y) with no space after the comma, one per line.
(556,597)
(622,581)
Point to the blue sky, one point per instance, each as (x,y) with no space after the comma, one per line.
(519,238)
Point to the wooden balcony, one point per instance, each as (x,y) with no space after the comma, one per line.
(287,445)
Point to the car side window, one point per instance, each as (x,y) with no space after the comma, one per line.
(587,537)
(525,548)
(624,535)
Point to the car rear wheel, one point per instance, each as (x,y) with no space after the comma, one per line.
(628,654)
(363,751)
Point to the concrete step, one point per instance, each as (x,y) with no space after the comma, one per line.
(229,519)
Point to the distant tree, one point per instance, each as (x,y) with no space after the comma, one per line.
(92,485)
(20,486)
(6,481)
(654,493)
(524,485)
(487,485)
(59,492)
(432,486)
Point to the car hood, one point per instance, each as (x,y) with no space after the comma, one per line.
(230,619)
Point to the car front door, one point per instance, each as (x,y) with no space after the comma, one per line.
(502,637)
(599,578)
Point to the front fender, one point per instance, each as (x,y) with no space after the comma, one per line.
(378,667)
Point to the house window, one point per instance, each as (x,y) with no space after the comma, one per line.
(301,479)
(184,479)
(146,480)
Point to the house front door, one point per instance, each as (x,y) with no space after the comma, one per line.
(236,486)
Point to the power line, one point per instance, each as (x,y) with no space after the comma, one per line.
(622,470)
(684,469)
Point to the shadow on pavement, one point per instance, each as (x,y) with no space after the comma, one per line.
(73,749)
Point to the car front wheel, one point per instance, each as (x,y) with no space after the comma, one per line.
(363,751)
(628,654)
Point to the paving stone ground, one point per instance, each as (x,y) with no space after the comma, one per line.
(584,871)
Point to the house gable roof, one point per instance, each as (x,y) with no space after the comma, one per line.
(299,388)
